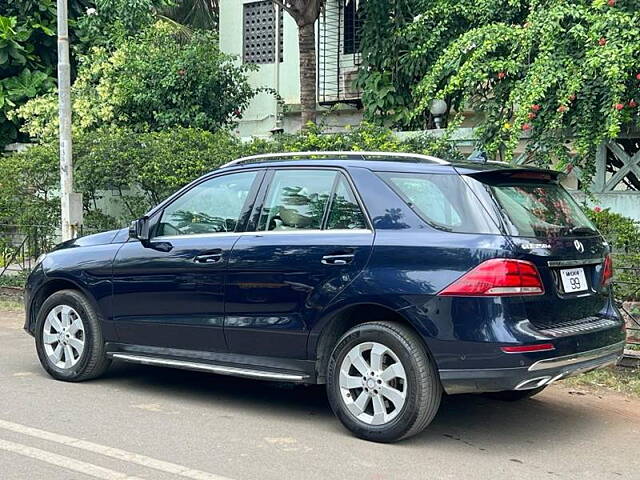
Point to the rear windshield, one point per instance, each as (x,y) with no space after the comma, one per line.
(530,209)
(443,201)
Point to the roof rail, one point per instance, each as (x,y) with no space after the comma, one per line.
(358,155)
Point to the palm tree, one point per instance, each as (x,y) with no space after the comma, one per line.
(305,13)
(201,14)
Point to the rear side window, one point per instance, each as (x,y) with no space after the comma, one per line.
(307,199)
(344,212)
(443,201)
(297,200)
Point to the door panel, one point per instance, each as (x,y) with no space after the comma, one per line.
(278,284)
(169,299)
(170,293)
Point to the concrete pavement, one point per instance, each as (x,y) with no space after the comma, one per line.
(155,423)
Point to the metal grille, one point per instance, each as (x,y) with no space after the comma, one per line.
(339,53)
(259,31)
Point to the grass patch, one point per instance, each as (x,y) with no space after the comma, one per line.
(619,379)
(10,305)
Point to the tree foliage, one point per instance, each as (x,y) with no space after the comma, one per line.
(27,57)
(551,70)
(152,81)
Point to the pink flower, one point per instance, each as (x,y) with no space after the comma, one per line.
(597,209)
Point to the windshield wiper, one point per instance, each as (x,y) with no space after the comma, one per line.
(583,230)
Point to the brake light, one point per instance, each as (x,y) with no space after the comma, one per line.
(607,271)
(540,347)
(498,277)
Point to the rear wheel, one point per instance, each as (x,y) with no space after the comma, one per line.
(515,395)
(69,339)
(381,383)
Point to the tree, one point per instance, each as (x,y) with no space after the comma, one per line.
(150,82)
(564,74)
(305,13)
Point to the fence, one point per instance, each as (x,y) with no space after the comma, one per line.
(21,245)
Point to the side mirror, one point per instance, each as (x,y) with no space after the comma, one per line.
(139,229)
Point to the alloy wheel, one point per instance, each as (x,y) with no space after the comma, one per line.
(63,336)
(373,383)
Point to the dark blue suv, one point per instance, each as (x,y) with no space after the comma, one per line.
(392,278)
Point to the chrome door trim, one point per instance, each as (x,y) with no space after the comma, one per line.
(207,367)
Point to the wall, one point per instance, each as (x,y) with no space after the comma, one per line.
(260,118)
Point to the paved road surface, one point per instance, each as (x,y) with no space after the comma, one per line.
(155,423)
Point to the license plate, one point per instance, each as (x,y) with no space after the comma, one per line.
(573,280)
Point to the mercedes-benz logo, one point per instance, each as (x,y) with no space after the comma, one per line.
(579,246)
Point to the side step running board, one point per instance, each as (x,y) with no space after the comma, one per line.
(207,367)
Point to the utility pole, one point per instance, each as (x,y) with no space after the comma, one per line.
(71,214)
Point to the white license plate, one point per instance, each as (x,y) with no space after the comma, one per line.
(573,280)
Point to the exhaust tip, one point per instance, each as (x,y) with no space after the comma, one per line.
(537,382)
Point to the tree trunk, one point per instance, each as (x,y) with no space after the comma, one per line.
(307,46)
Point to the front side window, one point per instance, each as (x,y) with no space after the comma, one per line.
(213,206)
(297,200)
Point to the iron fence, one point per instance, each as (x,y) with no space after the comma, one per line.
(21,245)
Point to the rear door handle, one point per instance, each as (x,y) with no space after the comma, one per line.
(211,257)
(341,259)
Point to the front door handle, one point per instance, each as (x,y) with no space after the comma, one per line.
(211,257)
(341,259)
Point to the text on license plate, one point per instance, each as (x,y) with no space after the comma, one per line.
(573,280)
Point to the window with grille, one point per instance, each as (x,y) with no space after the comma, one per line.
(352,27)
(259,32)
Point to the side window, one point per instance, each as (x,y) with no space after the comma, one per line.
(296,200)
(211,207)
(345,213)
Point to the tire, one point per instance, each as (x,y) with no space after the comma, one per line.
(515,395)
(381,420)
(86,363)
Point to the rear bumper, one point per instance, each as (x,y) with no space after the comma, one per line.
(542,372)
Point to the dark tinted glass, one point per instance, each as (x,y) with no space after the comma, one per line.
(297,200)
(345,213)
(443,201)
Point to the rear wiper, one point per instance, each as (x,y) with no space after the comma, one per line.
(583,230)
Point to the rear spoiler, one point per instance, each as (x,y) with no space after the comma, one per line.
(515,174)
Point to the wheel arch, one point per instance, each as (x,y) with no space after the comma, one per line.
(336,323)
(51,286)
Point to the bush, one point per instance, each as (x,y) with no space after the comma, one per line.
(623,234)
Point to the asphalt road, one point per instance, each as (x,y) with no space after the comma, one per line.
(155,423)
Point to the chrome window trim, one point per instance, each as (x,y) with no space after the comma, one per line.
(575,263)
(565,361)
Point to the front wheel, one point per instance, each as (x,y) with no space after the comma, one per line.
(69,339)
(381,382)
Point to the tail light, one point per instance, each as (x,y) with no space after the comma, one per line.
(498,277)
(607,271)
